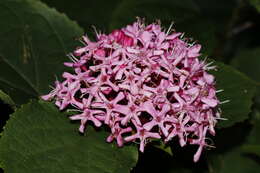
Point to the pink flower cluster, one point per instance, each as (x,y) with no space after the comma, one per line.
(144,83)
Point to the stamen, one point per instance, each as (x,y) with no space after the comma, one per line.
(224,119)
(218,91)
(169,29)
(223,102)
(74,110)
(98,34)
(72,58)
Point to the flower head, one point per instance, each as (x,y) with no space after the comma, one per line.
(142,83)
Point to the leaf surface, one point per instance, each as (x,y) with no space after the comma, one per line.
(38,138)
(34,41)
(238,91)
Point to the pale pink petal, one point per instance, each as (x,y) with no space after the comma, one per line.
(194,51)
(197,154)
(148,126)
(131,138)
(120,141)
(210,102)
(110,138)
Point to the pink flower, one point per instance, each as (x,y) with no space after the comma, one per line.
(179,129)
(143,83)
(87,115)
(142,134)
(117,131)
(131,111)
(200,141)
(109,105)
(159,117)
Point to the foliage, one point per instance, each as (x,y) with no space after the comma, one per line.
(54,145)
(37,35)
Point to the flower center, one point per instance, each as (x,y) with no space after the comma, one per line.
(132,108)
(158,119)
(104,78)
(110,106)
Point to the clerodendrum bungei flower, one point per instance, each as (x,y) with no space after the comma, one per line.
(143,83)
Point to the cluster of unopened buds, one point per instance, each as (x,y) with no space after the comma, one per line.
(143,83)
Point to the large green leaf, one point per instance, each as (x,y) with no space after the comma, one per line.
(38,138)
(238,89)
(34,41)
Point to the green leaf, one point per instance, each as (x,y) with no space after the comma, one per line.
(256,4)
(238,90)
(34,41)
(6,99)
(38,138)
